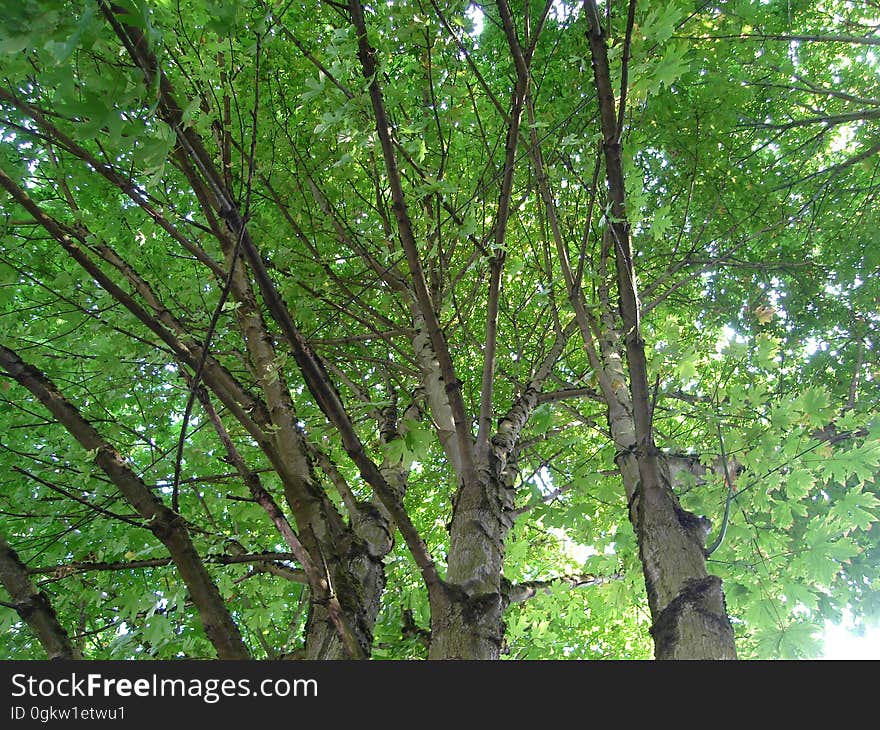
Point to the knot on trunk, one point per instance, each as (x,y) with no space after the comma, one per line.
(697,614)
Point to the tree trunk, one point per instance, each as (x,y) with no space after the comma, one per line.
(357,582)
(687,604)
(467,620)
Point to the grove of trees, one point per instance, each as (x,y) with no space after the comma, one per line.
(526,329)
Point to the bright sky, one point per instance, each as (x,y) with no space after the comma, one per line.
(842,643)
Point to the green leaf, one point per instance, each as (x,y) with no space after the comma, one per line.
(817,565)
(157,630)
(798,641)
(673,64)
(801,594)
(541,419)
(798,484)
(396,451)
(418,440)
(815,404)
(767,350)
(842,550)
(782,515)
(14,44)
(661,223)
(854,509)
(687,367)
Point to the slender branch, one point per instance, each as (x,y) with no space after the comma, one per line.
(731,491)
(286,32)
(521,592)
(509,428)
(224,294)
(496,265)
(59,572)
(624,67)
(566,393)
(857,370)
(366,55)
(819,38)
(827,120)
(583,318)
(834,170)
(85,502)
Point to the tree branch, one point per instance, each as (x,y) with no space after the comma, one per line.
(162,522)
(521,592)
(314,374)
(33,606)
(366,55)
(499,229)
(59,572)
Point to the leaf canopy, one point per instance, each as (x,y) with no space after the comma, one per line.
(751,162)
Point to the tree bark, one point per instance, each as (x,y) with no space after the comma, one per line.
(34,606)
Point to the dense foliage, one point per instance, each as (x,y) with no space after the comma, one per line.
(750,151)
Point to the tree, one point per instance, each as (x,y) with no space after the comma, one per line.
(346,331)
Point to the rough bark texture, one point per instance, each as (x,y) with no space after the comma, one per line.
(34,606)
(468,622)
(357,580)
(466,626)
(360,555)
